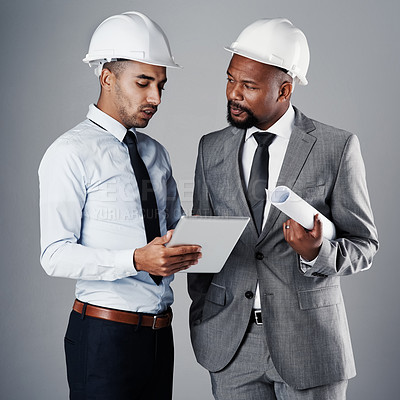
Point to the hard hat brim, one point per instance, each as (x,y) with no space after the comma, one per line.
(91,60)
(301,79)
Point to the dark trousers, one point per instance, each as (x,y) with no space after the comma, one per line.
(109,360)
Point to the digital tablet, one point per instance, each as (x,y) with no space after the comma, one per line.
(216,235)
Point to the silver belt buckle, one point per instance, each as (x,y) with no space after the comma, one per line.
(258,317)
(154,323)
(162,316)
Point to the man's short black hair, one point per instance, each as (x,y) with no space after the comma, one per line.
(116,67)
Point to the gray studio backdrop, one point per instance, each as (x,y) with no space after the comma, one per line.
(46,90)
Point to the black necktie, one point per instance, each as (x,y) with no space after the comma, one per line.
(258,181)
(147,196)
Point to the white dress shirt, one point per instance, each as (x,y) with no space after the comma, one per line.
(277,150)
(91,215)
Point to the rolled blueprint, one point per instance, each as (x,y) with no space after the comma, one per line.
(298,209)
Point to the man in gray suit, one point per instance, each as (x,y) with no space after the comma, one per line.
(272,323)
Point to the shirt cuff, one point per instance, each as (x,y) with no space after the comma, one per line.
(306,265)
(124,261)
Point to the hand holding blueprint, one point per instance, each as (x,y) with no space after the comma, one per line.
(298,209)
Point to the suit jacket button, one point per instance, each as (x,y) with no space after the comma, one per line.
(249,294)
(259,256)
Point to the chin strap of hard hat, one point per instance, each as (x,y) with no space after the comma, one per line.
(98,68)
(294,80)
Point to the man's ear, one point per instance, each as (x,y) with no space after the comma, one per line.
(285,91)
(107,79)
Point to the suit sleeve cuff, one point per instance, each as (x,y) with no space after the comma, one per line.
(305,265)
(321,265)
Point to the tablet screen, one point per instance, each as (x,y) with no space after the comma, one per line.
(216,235)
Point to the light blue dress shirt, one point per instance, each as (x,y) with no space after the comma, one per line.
(91,216)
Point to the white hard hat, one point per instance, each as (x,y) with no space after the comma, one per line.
(275,42)
(129,36)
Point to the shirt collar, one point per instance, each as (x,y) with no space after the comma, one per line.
(108,123)
(283,127)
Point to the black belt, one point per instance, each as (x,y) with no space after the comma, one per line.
(256,317)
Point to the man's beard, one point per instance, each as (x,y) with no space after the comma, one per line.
(247,123)
(128,118)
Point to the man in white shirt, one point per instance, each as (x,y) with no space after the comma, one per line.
(272,324)
(107,204)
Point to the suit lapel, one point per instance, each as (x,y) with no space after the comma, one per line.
(299,147)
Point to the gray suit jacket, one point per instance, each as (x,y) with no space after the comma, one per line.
(304,316)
